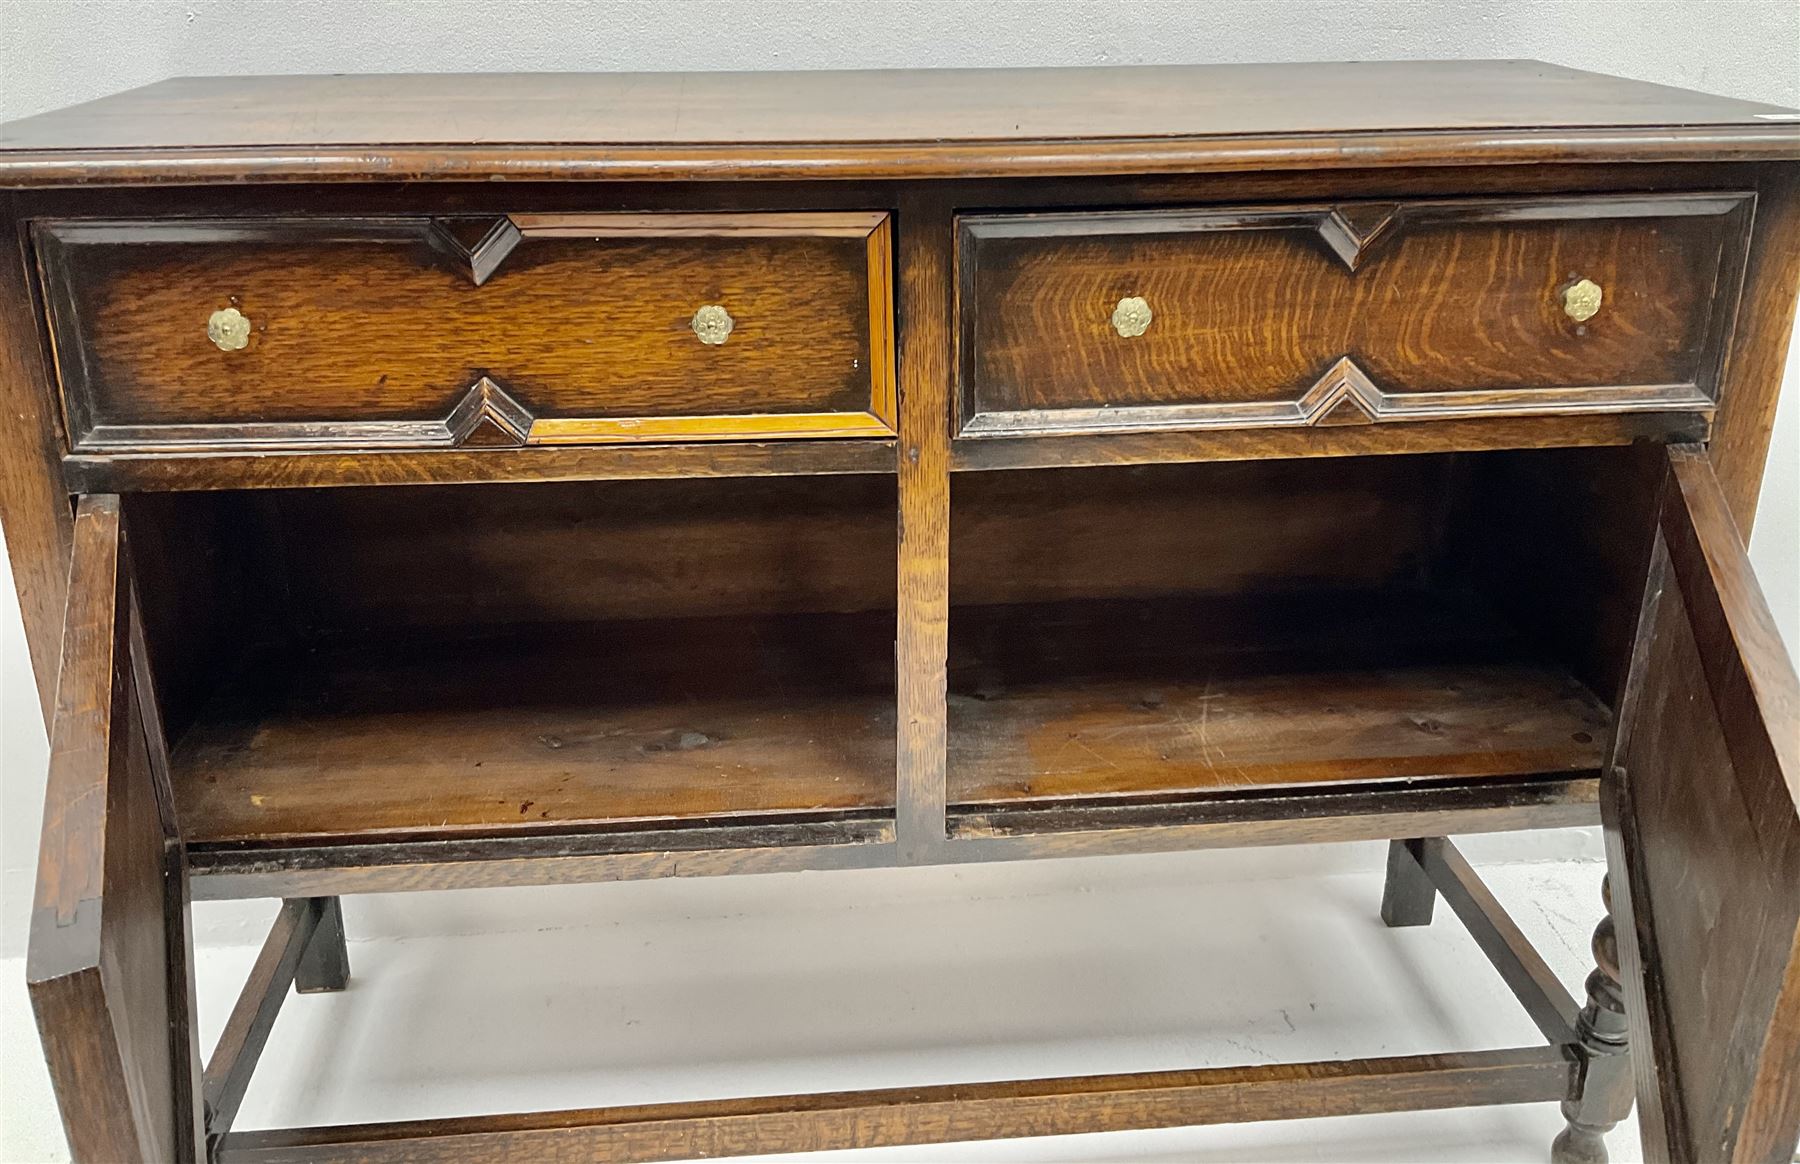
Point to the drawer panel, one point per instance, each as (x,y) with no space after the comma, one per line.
(1345,314)
(419,332)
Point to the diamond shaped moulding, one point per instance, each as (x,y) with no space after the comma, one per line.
(1355,228)
(475,246)
(1343,395)
(487,418)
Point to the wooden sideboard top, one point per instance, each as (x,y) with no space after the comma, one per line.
(879,123)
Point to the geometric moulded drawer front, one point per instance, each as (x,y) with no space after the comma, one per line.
(478,331)
(1346,313)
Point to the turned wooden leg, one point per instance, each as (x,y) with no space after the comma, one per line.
(1606,1084)
(1408,897)
(325,965)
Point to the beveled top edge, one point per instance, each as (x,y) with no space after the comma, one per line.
(878,123)
(890,161)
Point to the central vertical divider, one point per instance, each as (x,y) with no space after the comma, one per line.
(921,644)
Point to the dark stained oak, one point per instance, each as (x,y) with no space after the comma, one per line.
(248,1026)
(1171,446)
(34,510)
(125,472)
(1072,702)
(1759,345)
(1349,314)
(918,123)
(345,562)
(771,845)
(162,471)
(387,333)
(1079,739)
(915,1115)
(1601,1048)
(325,966)
(926,338)
(108,923)
(1306,815)
(1408,898)
(1526,973)
(1169,531)
(1702,807)
(474,566)
(427,736)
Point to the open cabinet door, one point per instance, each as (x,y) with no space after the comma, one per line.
(1702,807)
(108,961)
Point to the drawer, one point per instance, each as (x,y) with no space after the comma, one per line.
(1352,313)
(421,332)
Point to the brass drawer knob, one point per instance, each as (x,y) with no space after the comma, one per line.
(1581,300)
(1131,317)
(713,324)
(228,329)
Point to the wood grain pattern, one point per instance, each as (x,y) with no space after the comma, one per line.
(667,194)
(103,934)
(1602,1049)
(317,470)
(369,865)
(1703,821)
(573,552)
(914,123)
(1091,699)
(1054,740)
(1557,540)
(1289,316)
(1211,529)
(543,730)
(915,1115)
(577,668)
(921,636)
(1526,973)
(247,1028)
(1759,345)
(35,514)
(166,471)
(362,336)
(1341,812)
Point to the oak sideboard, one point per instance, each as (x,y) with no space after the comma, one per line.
(419,482)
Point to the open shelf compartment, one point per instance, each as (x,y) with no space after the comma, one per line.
(1166,634)
(454,663)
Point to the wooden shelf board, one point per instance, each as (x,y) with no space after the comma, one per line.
(1100,701)
(547,729)
(416,736)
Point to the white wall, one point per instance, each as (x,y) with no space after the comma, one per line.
(56,53)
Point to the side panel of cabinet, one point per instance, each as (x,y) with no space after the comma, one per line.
(108,963)
(1702,807)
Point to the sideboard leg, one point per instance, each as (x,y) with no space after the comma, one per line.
(1408,897)
(1606,1083)
(325,966)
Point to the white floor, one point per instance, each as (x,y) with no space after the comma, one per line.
(632,993)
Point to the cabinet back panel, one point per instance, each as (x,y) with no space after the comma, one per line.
(1558,540)
(340,560)
(1044,535)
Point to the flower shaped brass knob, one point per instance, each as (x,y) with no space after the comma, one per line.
(1581,300)
(713,324)
(1131,317)
(228,329)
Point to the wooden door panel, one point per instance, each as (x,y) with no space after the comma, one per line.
(108,950)
(1702,807)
